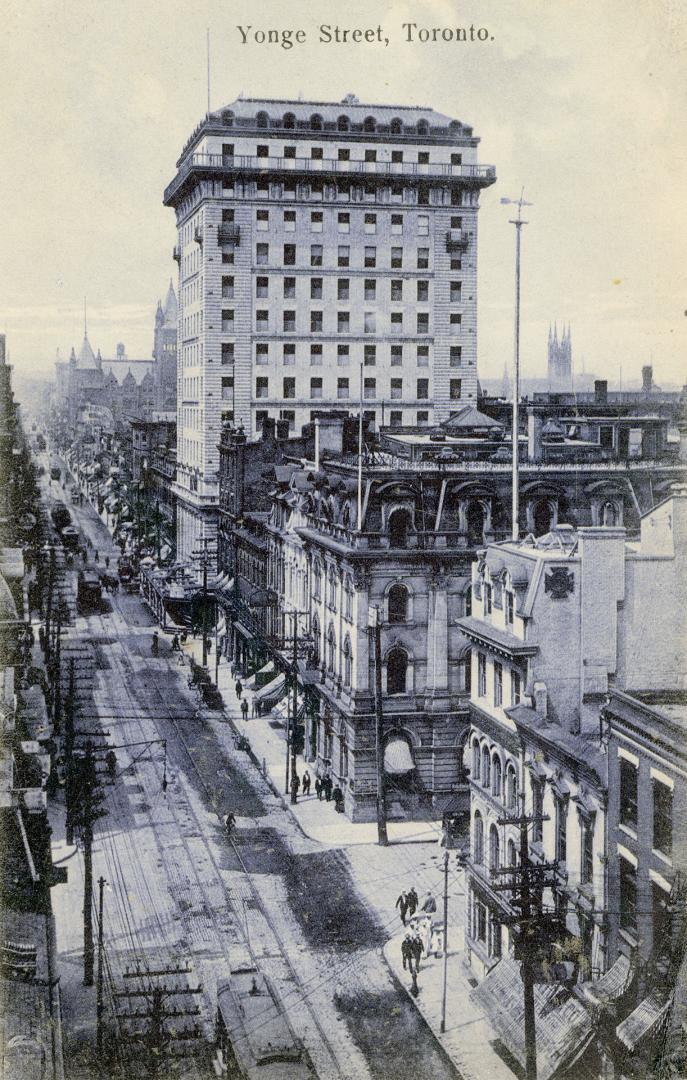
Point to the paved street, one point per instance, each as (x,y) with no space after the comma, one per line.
(313,918)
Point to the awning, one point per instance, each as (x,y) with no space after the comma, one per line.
(563,1030)
(612,985)
(397,757)
(282,709)
(271,689)
(644,1021)
(243,630)
(221,626)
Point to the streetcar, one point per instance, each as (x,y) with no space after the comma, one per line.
(90,591)
(254,1040)
(60,515)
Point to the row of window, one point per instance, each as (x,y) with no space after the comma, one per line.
(343,322)
(396,391)
(515,681)
(343,153)
(379,193)
(343,288)
(343,256)
(493,597)
(395,418)
(370,354)
(344,123)
(662,805)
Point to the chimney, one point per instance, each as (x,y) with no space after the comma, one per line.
(600,391)
(541,700)
(535,424)
(647,378)
(268,429)
(283,427)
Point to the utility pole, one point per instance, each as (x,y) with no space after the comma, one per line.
(445,971)
(156,1038)
(376,627)
(84,801)
(57,675)
(48,604)
(294,715)
(69,745)
(518,222)
(204,556)
(100,1005)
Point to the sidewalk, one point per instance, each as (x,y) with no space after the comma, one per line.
(317,819)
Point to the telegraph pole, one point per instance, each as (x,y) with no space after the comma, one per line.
(445,971)
(376,627)
(84,801)
(294,721)
(69,747)
(57,675)
(156,1038)
(100,1005)
(204,556)
(518,222)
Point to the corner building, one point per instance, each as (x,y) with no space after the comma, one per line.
(313,238)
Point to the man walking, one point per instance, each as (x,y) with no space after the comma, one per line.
(429,904)
(295,785)
(244,708)
(412,902)
(402,905)
(416,949)
(306,783)
(239,688)
(407,951)
(318,788)
(327,788)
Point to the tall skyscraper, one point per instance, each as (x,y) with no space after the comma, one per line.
(560,359)
(313,238)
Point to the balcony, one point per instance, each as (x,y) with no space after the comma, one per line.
(457,240)
(219,164)
(176,253)
(228,234)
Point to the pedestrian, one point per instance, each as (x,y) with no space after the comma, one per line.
(230,822)
(295,784)
(402,905)
(239,688)
(412,902)
(429,904)
(417,949)
(96,556)
(327,788)
(107,562)
(337,796)
(175,643)
(244,708)
(318,788)
(306,783)
(184,637)
(407,951)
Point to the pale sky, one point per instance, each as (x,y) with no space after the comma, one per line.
(584,104)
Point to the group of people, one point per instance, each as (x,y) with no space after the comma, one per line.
(421,936)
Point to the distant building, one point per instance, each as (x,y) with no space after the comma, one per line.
(559,359)
(165,352)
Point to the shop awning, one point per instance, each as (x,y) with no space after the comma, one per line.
(612,985)
(221,627)
(397,757)
(243,631)
(272,689)
(644,1021)
(564,1030)
(281,710)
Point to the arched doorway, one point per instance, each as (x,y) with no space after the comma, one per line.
(400,523)
(397,671)
(542,517)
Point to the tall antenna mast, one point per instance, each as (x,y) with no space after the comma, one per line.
(207,37)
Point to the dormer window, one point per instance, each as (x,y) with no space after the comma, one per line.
(262,120)
(316,122)
(510,608)
(487,599)
(289,121)
(369,124)
(343,123)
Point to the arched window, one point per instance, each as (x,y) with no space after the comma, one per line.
(396,127)
(348,597)
(347,661)
(346,516)
(343,757)
(511,853)
(494,848)
(609,514)
(478,839)
(398,604)
(317,581)
(496,776)
(289,120)
(475,523)
(316,641)
(542,517)
(486,766)
(228,118)
(316,122)
(475,759)
(454,127)
(331,649)
(468,600)
(422,127)
(396,671)
(369,124)
(343,123)
(332,587)
(511,787)
(400,523)
(262,120)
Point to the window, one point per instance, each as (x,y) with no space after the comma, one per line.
(228,258)
(370,256)
(344,154)
(485,774)
(395,418)
(343,289)
(423,225)
(261,387)
(510,607)
(344,222)
(396,671)
(342,388)
(422,418)
(561,829)
(316,288)
(370,289)
(289,321)
(316,388)
(316,255)
(370,355)
(396,389)
(396,289)
(370,155)
(456,159)
(289,354)
(289,254)
(487,598)
(455,389)
(344,255)
(370,223)
(227,150)
(478,839)
(317,583)
(628,794)
(398,604)
(289,288)
(262,319)
(370,388)
(399,525)
(396,155)
(262,254)
(396,355)
(331,649)
(498,683)
(456,263)
(261,286)
(423,258)
(289,221)
(456,222)
(663,818)
(628,894)
(348,597)
(262,220)
(396,258)
(315,355)
(455,322)
(316,322)
(480,918)
(342,355)
(369,322)
(587,851)
(227,217)
(456,355)
(423,291)
(227,387)
(537,811)
(423,356)
(662,922)
(262,350)
(423,155)
(481,675)
(396,322)
(347,672)
(396,224)
(455,292)
(494,848)
(496,776)
(316,219)
(316,153)
(228,288)
(343,322)
(289,387)
(423,322)
(475,760)
(422,389)
(514,687)
(511,788)
(227,352)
